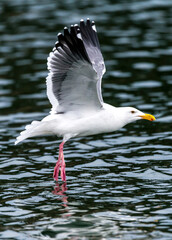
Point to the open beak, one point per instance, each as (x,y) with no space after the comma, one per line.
(148,117)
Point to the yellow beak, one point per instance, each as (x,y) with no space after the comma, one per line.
(148,117)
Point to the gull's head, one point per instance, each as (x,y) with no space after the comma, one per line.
(133,114)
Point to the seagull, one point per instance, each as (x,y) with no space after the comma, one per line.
(76,68)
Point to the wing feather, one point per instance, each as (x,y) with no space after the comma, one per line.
(76,67)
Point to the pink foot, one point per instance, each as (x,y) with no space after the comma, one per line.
(56,171)
(60,163)
(63,173)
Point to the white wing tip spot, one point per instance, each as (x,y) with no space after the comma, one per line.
(79,36)
(94,28)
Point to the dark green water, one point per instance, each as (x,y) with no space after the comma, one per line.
(119,185)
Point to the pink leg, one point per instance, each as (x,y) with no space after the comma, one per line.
(63,172)
(60,163)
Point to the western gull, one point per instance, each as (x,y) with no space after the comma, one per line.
(76,67)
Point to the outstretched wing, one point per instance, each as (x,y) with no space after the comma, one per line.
(76,67)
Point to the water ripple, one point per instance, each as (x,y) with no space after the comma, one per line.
(118,184)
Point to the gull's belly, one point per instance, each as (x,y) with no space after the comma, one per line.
(100,125)
(102,122)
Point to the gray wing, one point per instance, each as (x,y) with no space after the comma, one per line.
(76,67)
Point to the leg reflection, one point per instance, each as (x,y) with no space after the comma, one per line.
(59,190)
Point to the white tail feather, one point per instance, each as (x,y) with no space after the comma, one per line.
(36,128)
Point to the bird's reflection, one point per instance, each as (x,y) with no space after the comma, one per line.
(60,190)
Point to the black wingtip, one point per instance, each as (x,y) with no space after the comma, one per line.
(88,22)
(66,31)
(78,30)
(75,39)
(60,37)
(57,45)
(76,27)
(82,23)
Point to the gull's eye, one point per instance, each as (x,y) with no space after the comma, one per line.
(132,111)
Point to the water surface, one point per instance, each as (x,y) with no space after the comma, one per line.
(118,184)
